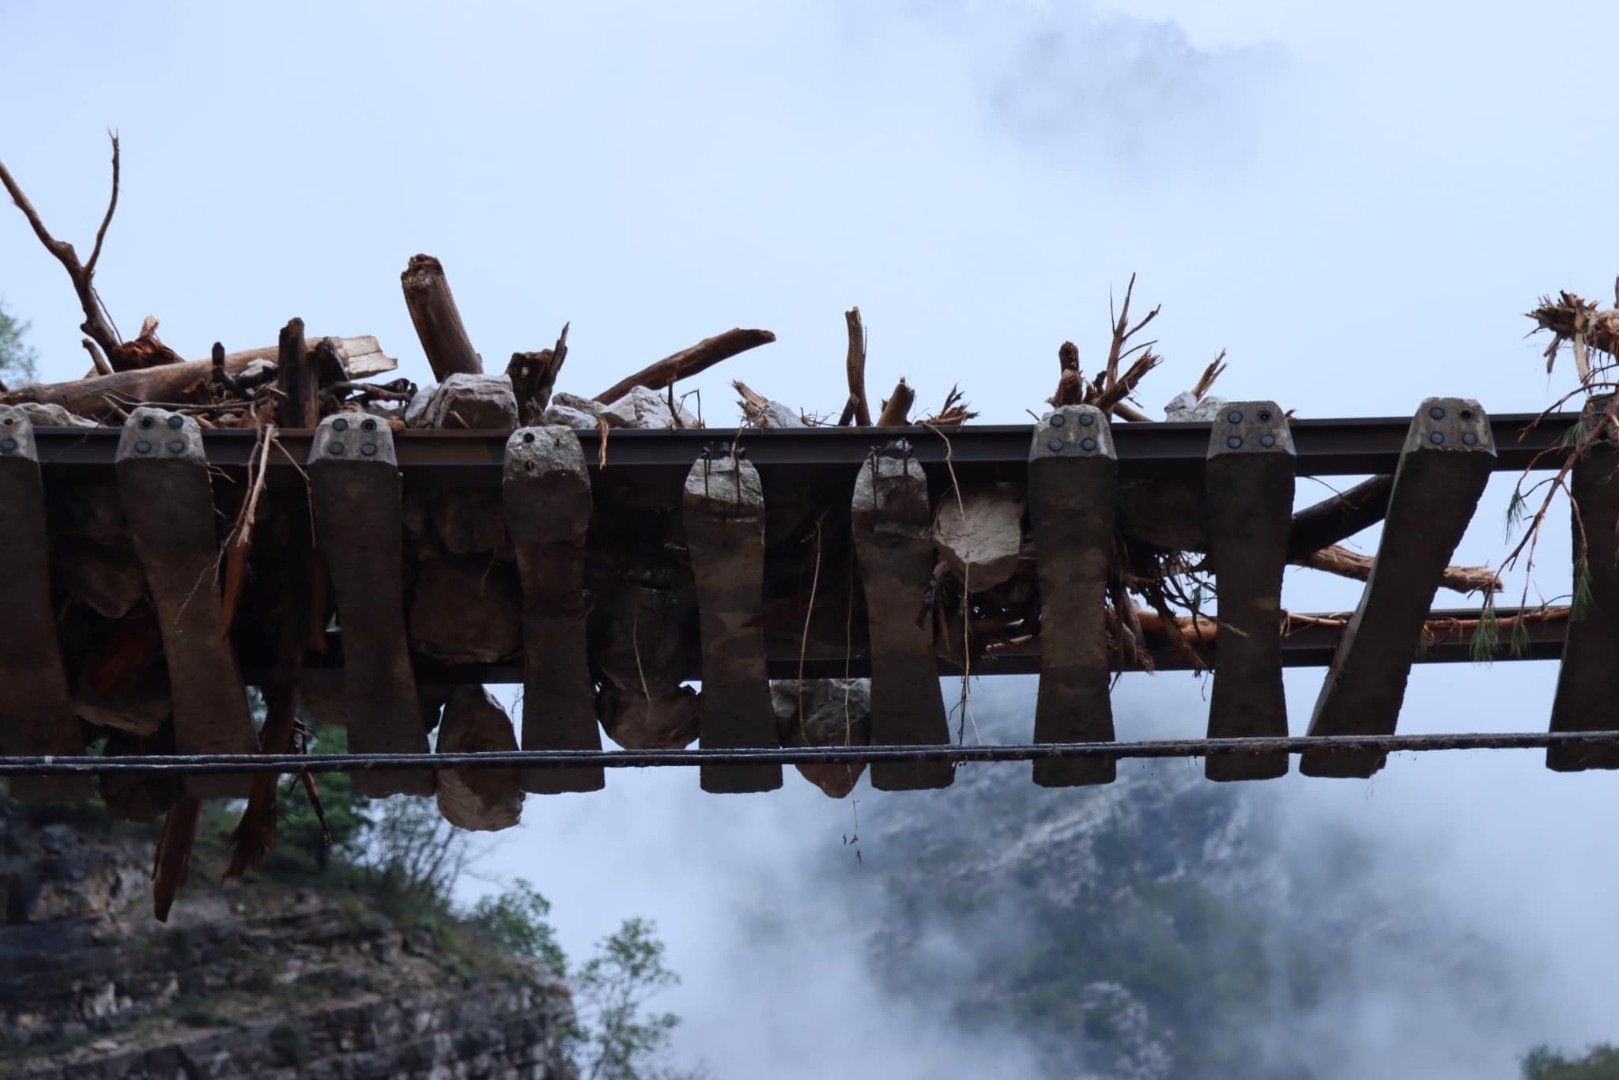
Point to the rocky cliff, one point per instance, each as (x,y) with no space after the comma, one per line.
(258,979)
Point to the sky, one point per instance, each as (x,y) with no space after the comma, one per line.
(1358,202)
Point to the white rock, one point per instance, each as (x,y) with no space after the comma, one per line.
(643,408)
(588,406)
(53,416)
(479,402)
(418,403)
(1188,409)
(567,416)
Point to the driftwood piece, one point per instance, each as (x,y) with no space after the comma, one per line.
(168,500)
(546,493)
(534,376)
(37,715)
(724,519)
(688,362)
(361,357)
(465,611)
(107,398)
(437,320)
(1339,517)
(1073,472)
(482,800)
(355,491)
(759,411)
(1249,483)
(642,655)
(891,518)
(1443,469)
(299,382)
(979,533)
(897,409)
(858,410)
(1587,697)
(824,712)
(1352,564)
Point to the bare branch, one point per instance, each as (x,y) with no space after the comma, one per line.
(112,204)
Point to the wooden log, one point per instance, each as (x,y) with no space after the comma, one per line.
(858,410)
(118,679)
(1587,697)
(533,377)
(298,381)
(107,398)
(1073,473)
(893,546)
(1443,468)
(37,716)
(897,409)
(546,494)
(1352,564)
(1248,501)
(1338,518)
(688,362)
(107,579)
(355,492)
(724,519)
(437,320)
(361,357)
(163,481)
(483,800)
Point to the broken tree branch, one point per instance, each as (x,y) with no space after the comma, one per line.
(897,409)
(857,409)
(1340,517)
(534,376)
(1350,564)
(96,324)
(437,320)
(701,356)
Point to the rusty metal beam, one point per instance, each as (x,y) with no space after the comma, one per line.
(1073,478)
(1248,505)
(1447,461)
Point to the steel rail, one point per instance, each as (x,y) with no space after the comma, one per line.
(1324,447)
(181,764)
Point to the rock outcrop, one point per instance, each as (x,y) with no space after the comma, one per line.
(254,980)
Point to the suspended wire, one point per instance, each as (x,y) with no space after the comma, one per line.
(182,764)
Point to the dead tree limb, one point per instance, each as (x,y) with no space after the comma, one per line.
(534,377)
(299,382)
(897,409)
(97,358)
(437,320)
(1350,564)
(1340,517)
(96,324)
(857,410)
(688,362)
(99,398)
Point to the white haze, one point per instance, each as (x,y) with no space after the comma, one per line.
(1358,201)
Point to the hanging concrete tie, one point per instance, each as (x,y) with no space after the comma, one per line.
(1443,468)
(1248,510)
(546,493)
(38,713)
(724,520)
(355,492)
(892,523)
(484,800)
(1588,682)
(169,505)
(1073,478)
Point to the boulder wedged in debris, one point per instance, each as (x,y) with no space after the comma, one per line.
(824,712)
(475,402)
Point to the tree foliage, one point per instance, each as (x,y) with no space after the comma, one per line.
(16,357)
(1600,1062)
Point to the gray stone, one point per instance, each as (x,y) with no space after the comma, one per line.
(476,402)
